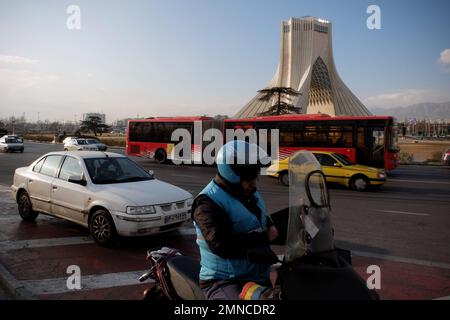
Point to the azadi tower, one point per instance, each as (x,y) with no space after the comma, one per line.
(307,66)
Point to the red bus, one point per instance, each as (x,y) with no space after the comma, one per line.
(151,137)
(368,140)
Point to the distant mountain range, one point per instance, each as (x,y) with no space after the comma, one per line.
(427,110)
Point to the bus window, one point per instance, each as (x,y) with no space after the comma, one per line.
(370,146)
(378,146)
(335,137)
(314,136)
(309,135)
(393,139)
(156,131)
(378,138)
(347,137)
(287,134)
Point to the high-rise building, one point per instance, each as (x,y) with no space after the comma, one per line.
(307,66)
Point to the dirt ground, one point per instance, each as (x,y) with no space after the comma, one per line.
(422,150)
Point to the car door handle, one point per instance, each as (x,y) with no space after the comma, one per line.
(54,187)
(30,181)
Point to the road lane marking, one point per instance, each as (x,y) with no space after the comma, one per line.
(187,231)
(10,245)
(418,181)
(426,263)
(14,217)
(403,212)
(446,196)
(183,175)
(88,282)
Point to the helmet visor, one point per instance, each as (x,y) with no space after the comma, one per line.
(247,172)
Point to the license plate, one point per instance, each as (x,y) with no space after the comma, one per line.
(174,217)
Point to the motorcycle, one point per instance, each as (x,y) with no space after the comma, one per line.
(312,267)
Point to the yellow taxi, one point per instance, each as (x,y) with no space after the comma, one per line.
(337,169)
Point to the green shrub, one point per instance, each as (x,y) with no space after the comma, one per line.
(39,137)
(405,157)
(114,142)
(435,157)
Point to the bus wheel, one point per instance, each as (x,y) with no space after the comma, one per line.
(359,183)
(284,178)
(160,156)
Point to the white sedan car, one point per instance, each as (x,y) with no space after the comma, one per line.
(105,192)
(79,144)
(11,143)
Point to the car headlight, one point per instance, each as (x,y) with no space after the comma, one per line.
(141,210)
(382,175)
(189,202)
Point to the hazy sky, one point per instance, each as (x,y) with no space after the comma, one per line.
(205,57)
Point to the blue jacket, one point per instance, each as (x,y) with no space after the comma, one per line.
(214,267)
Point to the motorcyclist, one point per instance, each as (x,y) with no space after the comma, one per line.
(230,219)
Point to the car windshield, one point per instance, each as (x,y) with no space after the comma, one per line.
(13,140)
(92,141)
(343,159)
(115,170)
(81,141)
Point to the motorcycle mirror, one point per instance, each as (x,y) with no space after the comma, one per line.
(262,255)
(316,189)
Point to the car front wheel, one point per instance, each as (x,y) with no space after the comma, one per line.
(284,178)
(102,228)
(25,209)
(360,183)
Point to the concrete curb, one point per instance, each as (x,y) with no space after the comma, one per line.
(431,164)
(8,282)
(13,287)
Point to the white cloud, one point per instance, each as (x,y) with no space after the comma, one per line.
(23,79)
(16,60)
(90,75)
(444,58)
(405,97)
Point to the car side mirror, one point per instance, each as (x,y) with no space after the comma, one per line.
(337,165)
(78,180)
(151,173)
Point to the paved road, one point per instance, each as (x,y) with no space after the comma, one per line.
(403,228)
(4,294)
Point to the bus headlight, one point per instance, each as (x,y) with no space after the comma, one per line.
(141,210)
